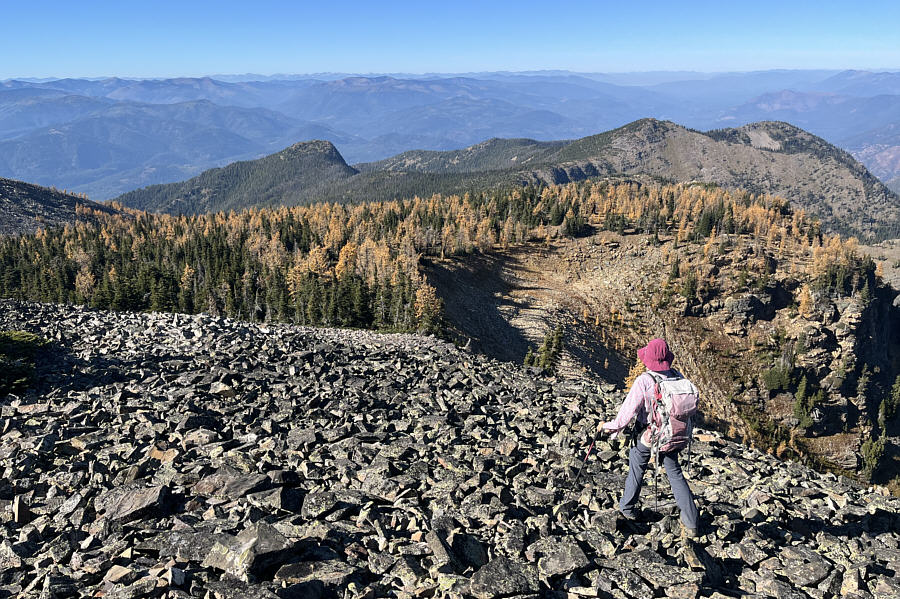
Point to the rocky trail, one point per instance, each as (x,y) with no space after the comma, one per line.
(188,456)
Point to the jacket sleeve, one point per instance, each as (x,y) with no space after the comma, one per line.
(633,403)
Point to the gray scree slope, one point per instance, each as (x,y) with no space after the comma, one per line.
(172,455)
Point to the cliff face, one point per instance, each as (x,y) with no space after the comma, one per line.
(847,351)
(167,455)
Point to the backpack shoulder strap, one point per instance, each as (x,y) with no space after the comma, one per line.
(657,379)
(654,375)
(657,394)
(652,403)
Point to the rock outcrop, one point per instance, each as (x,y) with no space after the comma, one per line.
(178,456)
(25,207)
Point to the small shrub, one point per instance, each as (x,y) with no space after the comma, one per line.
(894,486)
(890,404)
(689,285)
(777,378)
(872,452)
(801,405)
(862,382)
(802,345)
(547,355)
(529,358)
(674,270)
(805,402)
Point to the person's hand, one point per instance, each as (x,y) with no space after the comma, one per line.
(600,427)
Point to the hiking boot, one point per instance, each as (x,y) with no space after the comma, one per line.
(691,533)
(630,516)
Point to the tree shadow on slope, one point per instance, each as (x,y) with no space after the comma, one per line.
(479,306)
(475,294)
(581,342)
(61,370)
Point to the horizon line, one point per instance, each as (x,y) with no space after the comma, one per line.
(532,72)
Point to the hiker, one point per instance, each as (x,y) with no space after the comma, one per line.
(638,404)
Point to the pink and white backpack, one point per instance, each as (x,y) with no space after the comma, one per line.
(670,414)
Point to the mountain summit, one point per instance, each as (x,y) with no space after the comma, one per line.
(766,157)
(303,169)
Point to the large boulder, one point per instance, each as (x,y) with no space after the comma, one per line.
(502,577)
(131,501)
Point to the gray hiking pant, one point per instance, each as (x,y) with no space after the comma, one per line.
(638,459)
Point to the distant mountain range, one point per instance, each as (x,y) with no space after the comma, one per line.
(767,157)
(108,136)
(894,185)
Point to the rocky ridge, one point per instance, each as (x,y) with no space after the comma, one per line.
(766,157)
(25,207)
(172,455)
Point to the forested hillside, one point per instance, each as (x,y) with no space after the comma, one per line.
(766,158)
(295,263)
(363,265)
(305,169)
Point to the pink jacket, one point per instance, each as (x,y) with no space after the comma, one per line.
(636,403)
(643,388)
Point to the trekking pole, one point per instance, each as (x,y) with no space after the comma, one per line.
(690,459)
(590,448)
(654,455)
(656,483)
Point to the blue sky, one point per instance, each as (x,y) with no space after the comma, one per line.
(186,38)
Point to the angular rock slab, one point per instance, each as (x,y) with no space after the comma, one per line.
(131,501)
(502,577)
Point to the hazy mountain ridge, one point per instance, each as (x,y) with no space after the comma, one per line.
(858,83)
(112,146)
(894,184)
(773,158)
(865,126)
(374,117)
